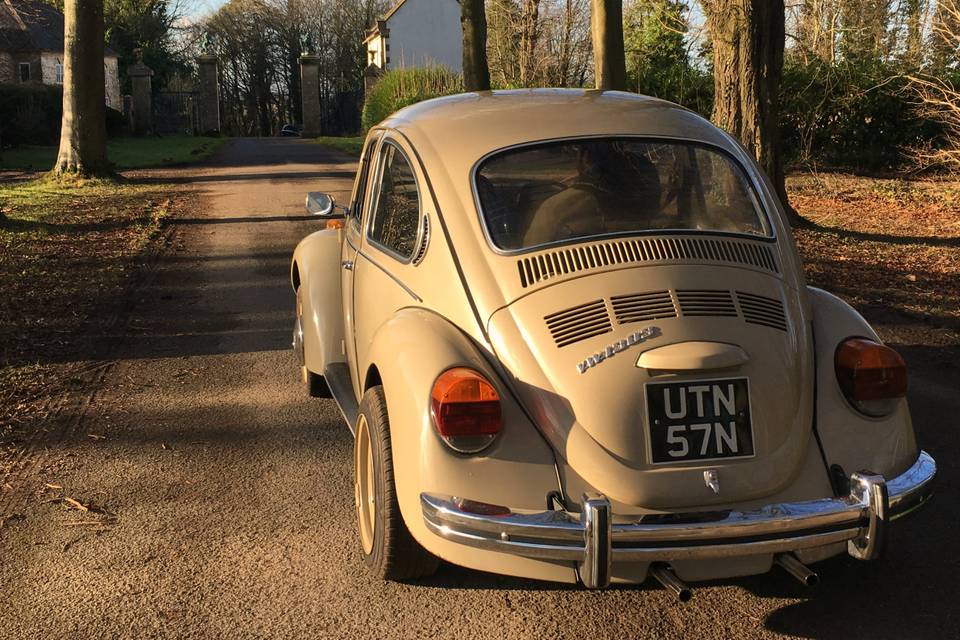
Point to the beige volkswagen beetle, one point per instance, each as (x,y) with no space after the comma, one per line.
(571,335)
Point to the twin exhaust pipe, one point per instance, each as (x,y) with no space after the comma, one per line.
(789,562)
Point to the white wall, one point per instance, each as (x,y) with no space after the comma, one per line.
(426,32)
(111,76)
(48,67)
(7,68)
(376,52)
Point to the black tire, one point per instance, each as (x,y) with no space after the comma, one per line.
(394,554)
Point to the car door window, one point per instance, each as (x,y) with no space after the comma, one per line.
(396,216)
(360,186)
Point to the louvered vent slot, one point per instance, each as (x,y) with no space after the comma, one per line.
(545,266)
(762,310)
(706,303)
(641,307)
(424,241)
(579,323)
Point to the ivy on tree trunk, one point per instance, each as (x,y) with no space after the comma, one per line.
(748,40)
(83,135)
(606,28)
(476,71)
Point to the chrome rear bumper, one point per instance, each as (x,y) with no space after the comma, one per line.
(594,538)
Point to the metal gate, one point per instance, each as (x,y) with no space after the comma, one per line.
(175,112)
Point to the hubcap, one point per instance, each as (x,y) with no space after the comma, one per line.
(364,486)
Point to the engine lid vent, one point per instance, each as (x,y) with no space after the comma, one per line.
(587,257)
(762,310)
(579,323)
(703,302)
(641,307)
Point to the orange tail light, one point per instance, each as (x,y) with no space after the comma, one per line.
(466,410)
(872,376)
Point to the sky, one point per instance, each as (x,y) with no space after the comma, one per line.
(200,8)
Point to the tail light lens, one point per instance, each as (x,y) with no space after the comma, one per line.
(872,376)
(466,410)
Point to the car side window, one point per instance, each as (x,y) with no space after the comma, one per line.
(396,216)
(360,187)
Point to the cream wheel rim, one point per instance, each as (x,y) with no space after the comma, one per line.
(364,485)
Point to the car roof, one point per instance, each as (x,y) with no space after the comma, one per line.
(463,128)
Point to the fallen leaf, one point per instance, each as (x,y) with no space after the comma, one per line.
(96,436)
(76,504)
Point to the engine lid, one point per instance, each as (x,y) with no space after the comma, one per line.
(644,379)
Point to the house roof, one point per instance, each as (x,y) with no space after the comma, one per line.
(31,25)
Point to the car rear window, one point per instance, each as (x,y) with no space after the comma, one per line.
(562,191)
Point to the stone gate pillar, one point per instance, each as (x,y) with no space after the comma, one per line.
(209,95)
(142,93)
(310,94)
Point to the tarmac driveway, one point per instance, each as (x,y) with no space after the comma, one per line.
(221,496)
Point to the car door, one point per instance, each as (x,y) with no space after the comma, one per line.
(390,247)
(351,247)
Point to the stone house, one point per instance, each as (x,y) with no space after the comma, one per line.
(416,33)
(31,48)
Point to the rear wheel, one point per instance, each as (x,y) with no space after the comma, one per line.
(388,548)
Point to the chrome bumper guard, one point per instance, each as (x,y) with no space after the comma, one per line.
(594,538)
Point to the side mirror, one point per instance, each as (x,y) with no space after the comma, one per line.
(320,204)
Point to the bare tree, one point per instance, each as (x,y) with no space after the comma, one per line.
(609,62)
(748,42)
(937,98)
(83,134)
(473,20)
(529,35)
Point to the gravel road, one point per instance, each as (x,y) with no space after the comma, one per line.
(222,496)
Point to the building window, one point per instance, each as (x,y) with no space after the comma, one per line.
(59,73)
(24,72)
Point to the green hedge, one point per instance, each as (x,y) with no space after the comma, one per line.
(30,114)
(401,87)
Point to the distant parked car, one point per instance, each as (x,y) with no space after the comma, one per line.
(291,130)
(571,334)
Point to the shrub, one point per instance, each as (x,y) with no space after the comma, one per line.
(402,87)
(30,113)
(853,114)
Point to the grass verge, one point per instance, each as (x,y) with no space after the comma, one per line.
(67,255)
(351,145)
(125,153)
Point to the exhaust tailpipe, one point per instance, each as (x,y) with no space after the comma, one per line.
(665,576)
(797,569)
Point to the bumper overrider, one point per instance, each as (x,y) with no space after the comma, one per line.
(594,538)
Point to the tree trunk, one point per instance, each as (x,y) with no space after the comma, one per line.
(609,62)
(529,35)
(748,39)
(83,136)
(473,20)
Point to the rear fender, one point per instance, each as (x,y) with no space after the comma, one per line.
(518,470)
(855,442)
(315,275)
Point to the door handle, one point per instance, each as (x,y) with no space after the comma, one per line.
(347,264)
